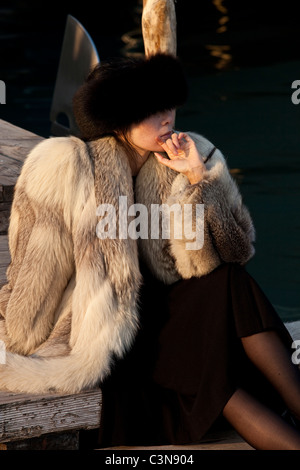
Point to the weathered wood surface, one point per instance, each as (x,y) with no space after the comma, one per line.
(15,144)
(218,440)
(68,440)
(24,416)
(159,27)
(4,258)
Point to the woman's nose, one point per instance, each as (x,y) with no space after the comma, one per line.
(168,117)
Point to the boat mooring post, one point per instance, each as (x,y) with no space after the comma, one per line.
(159,27)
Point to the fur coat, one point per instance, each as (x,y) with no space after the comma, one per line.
(71,301)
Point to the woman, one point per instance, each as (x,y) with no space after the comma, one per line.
(84,287)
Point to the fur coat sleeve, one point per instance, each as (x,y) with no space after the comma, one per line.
(220,231)
(70,302)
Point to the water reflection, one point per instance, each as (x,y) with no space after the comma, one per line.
(222,52)
(219,4)
(133,43)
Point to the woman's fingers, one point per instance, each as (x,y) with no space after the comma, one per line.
(186,137)
(163,160)
(172,145)
(175,140)
(184,156)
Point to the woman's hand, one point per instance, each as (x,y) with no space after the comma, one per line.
(184,156)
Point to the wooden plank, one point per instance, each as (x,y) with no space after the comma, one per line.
(56,441)
(221,440)
(16,140)
(4,258)
(15,144)
(5,208)
(221,445)
(24,416)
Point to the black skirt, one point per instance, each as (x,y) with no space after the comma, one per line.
(187,359)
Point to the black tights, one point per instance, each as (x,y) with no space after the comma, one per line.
(258,425)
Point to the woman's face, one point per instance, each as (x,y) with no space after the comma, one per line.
(159,126)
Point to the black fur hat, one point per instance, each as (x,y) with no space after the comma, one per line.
(123,92)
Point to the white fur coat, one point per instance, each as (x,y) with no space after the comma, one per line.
(70,303)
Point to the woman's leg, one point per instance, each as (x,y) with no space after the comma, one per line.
(270,355)
(260,427)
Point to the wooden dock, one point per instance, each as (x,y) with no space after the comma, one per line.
(51,421)
(54,421)
(226,440)
(15,143)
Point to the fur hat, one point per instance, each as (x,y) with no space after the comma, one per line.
(123,92)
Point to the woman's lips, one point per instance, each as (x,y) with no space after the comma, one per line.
(166,136)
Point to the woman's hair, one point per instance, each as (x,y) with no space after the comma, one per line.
(131,153)
(125,91)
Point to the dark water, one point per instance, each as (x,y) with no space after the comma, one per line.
(241,59)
